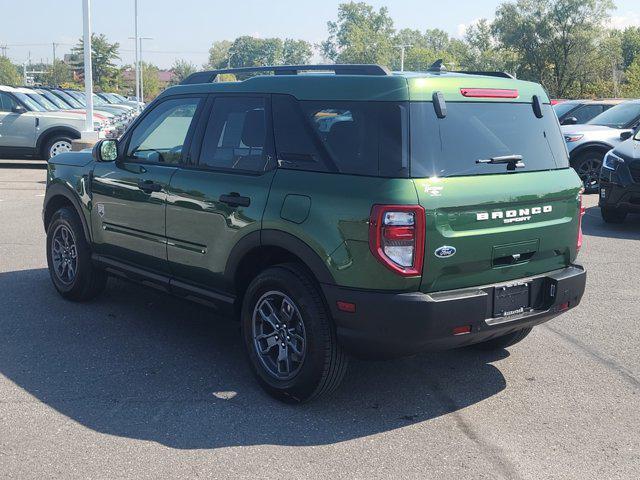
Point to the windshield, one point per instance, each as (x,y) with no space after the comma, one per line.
(119,97)
(109,97)
(43,102)
(564,107)
(55,100)
(474,131)
(98,100)
(29,102)
(620,116)
(69,99)
(78,96)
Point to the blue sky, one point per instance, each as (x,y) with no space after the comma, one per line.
(186,28)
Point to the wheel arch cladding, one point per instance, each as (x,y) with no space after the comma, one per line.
(259,250)
(600,147)
(58,197)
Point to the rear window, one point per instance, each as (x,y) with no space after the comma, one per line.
(474,131)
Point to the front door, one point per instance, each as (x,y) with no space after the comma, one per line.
(221,197)
(17,130)
(129,195)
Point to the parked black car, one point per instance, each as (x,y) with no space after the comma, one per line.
(620,181)
(573,112)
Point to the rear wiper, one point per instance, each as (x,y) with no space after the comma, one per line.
(512,161)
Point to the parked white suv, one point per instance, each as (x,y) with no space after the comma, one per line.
(27,128)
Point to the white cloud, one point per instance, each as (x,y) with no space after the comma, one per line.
(629,19)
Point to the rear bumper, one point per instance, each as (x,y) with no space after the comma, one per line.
(396,324)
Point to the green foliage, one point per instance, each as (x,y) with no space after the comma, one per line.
(296,52)
(182,69)
(9,73)
(57,73)
(219,55)
(360,35)
(151,82)
(630,39)
(106,75)
(632,86)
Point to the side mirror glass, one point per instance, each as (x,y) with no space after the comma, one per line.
(626,135)
(570,121)
(19,109)
(106,150)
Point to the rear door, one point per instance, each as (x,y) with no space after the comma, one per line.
(489,223)
(130,194)
(219,198)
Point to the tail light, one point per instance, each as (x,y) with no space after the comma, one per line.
(396,237)
(489,92)
(581,212)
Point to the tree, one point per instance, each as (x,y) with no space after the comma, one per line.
(57,73)
(360,35)
(150,80)
(632,85)
(219,54)
(552,38)
(296,52)
(630,45)
(103,55)
(482,51)
(181,69)
(9,73)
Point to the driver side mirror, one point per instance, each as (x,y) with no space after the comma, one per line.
(570,121)
(106,150)
(626,135)
(19,109)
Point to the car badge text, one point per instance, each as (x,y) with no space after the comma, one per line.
(514,216)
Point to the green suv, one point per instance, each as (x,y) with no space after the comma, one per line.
(355,212)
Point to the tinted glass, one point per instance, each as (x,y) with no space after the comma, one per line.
(69,99)
(362,138)
(42,101)
(474,131)
(6,102)
(29,102)
(295,142)
(54,99)
(619,116)
(161,134)
(587,112)
(563,108)
(235,135)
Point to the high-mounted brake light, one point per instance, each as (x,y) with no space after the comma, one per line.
(581,212)
(396,237)
(489,92)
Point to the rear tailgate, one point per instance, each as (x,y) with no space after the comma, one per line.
(501,227)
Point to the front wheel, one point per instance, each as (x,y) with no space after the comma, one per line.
(504,341)
(69,258)
(290,337)
(56,145)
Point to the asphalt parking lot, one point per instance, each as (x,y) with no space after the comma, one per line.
(142,385)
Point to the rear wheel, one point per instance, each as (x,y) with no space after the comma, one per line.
(613,215)
(69,258)
(587,166)
(290,337)
(56,145)
(504,341)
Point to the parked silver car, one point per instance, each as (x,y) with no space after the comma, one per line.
(588,143)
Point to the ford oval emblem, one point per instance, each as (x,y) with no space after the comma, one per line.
(445,251)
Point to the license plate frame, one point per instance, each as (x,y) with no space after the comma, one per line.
(511,299)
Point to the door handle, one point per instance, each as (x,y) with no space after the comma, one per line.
(234,199)
(149,186)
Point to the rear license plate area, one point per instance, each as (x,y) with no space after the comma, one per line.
(511,299)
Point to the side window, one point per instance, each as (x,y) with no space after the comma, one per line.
(6,102)
(236,135)
(349,132)
(294,138)
(161,134)
(587,112)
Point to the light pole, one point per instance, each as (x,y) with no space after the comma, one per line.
(88,75)
(135,44)
(402,50)
(140,82)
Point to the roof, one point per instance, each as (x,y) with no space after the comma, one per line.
(405,86)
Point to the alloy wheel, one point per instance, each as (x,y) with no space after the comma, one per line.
(589,173)
(279,336)
(64,254)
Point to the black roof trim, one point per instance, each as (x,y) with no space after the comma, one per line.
(338,69)
(488,74)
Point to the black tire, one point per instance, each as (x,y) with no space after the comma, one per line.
(613,215)
(324,363)
(587,165)
(51,142)
(88,280)
(504,341)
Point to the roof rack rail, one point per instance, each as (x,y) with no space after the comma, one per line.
(439,66)
(338,69)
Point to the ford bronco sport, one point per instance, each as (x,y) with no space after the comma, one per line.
(364,211)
